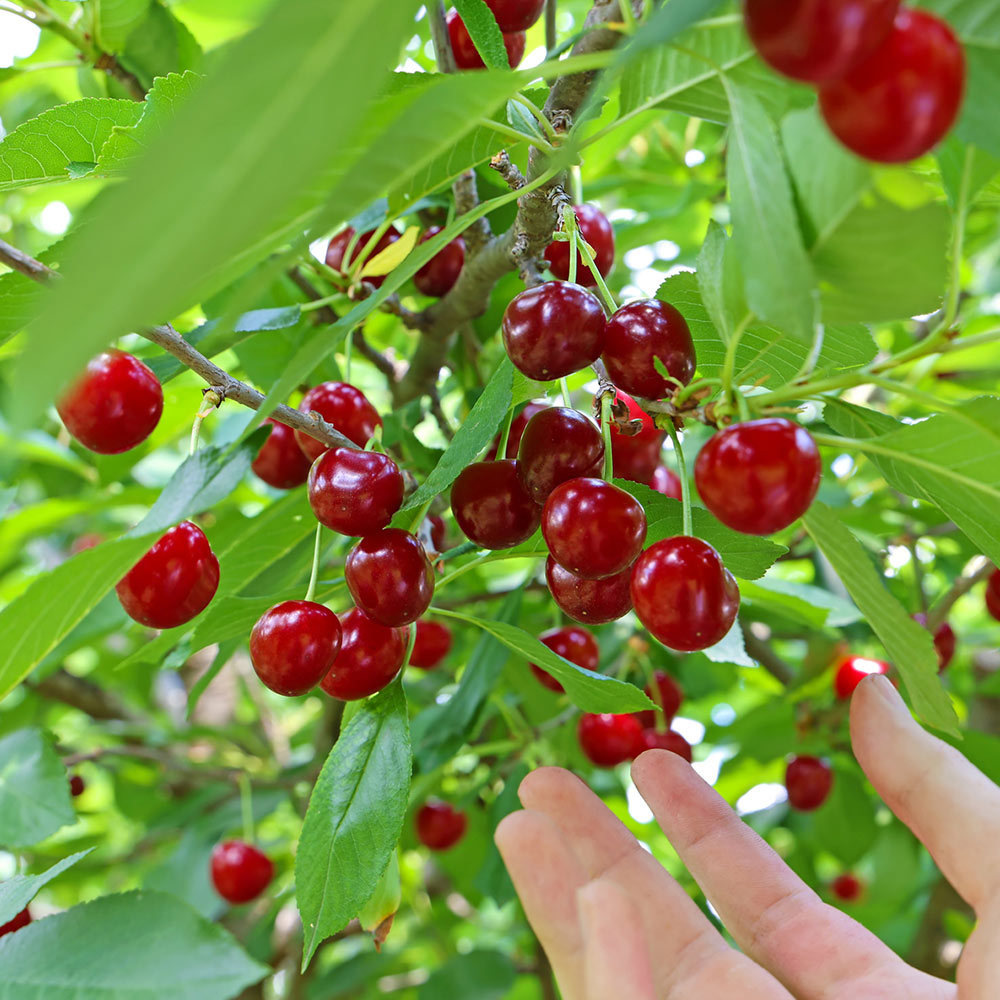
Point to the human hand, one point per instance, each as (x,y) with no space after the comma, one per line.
(615,924)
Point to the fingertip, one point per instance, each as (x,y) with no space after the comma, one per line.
(876,702)
(541,784)
(656,763)
(515,829)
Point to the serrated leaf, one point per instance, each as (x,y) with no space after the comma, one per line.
(813,606)
(484,32)
(845,823)
(34,789)
(19,890)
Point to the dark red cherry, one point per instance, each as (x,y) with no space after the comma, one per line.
(338,247)
(636,456)
(370,657)
(516,15)
(944,641)
(993,594)
(553,329)
(491,506)
(438,532)
(280,461)
(441,272)
(466,54)
(657,739)
(347,408)
(571,643)
(431,645)
(15,923)
(77,785)
(608,740)
(557,445)
(517,426)
(900,102)
(293,645)
(173,581)
(847,888)
(817,40)
(240,871)
(852,670)
(390,577)
(639,332)
(592,528)
(593,602)
(683,594)
(439,825)
(114,405)
(666,481)
(355,492)
(596,231)
(760,476)
(808,781)
(668,697)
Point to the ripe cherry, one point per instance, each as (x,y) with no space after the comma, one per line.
(114,405)
(847,888)
(15,923)
(280,461)
(293,645)
(852,670)
(571,643)
(899,102)
(657,739)
(77,786)
(553,330)
(466,54)
(683,593)
(608,740)
(593,602)
(439,536)
(668,698)
(944,641)
(491,506)
(517,426)
(347,408)
(370,657)
(557,445)
(440,825)
(993,594)
(516,15)
(597,233)
(390,577)
(639,332)
(636,456)
(441,272)
(808,781)
(760,476)
(173,582)
(431,645)
(817,40)
(666,481)
(355,492)
(593,528)
(338,247)
(240,871)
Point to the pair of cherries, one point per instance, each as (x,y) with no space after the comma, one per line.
(513,17)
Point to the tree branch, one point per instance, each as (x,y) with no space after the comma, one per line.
(766,656)
(982,569)
(82,694)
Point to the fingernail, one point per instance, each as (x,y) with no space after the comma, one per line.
(883,687)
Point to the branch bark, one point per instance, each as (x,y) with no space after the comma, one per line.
(82,694)
(939,612)
(766,656)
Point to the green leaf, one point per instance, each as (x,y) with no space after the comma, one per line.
(478,975)
(485,34)
(354,818)
(493,879)
(115,19)
(845,824)
(19,890)
(813,606)
(34,789)
(978,122)
(720,281)
(160,44)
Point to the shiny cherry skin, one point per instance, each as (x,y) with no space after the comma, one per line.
(431,645)
(439,274)
(657,739)
(517,426)
(370,657)
(439,533)
(760,476)
(390,577)
(440,825)
(553,330)
(558,444)
(592,602)
(808,781)
(516,15)
(992,596)
(355,492)
(571,643)
(240,871)
(668,698)
(817,40)
(944,641)
(847,888)
(852,670)
(636,456)
(347,408)
(592,528)
(77,786)
(639,332)
(491,506)
(293,645)
(280,461)
(338,247)
(16,922)
(114,405)
(466,54)
(173,582)
(683,593)
(597,233)
(667,482)
(608,740)
(900,102)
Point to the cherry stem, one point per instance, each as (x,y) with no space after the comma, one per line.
(606,434)
(348,350)
(588,259)
(411,639)
(569,225)
(682,471)
(421,514)
(209,402)
(564,385)
(314,574)
(246,807)
(505,435)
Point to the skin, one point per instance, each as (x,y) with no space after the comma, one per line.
(614,923)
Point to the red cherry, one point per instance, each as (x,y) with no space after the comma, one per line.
(571,643)
(655,739)
(441,272)
(557,445)
(760,476)
(438,532)
(517,426)
(491,506)
(683,593)
(114,405)
(592,528)
(390,577)
(593,602)
(666,481)
(467,55)
(944,641)
(338,247)
(847,888)
(240,871)
(355,492)
(817,40)
(993,594)
(852,670)
(440,825)
(637,456)
(370,657)
(76,785)
(670,697)
(516,15)
(347,408)
(293,645)
(280,461)
(431,645)
(597,233)
(639,332)
(900,102)
(608,740)
(173,582)
(15,923)
(808,781)
(553,330)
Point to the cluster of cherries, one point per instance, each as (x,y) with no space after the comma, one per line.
(890,78)
(513,17)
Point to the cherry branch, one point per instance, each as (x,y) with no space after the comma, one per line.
(981,569)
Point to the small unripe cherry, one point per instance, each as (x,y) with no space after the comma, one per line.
(440,825)
(240,871)
(808,781)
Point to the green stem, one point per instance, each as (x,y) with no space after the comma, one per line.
(246,808)
(516,136)
(539,116)
(606,401)
(729,364)
(505,435)
(564,385)
(196,432)
(314,573)
(588,259)
(421,514)
(958,242)
(682,472)
(411,639)
(576,184)
(348,351)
